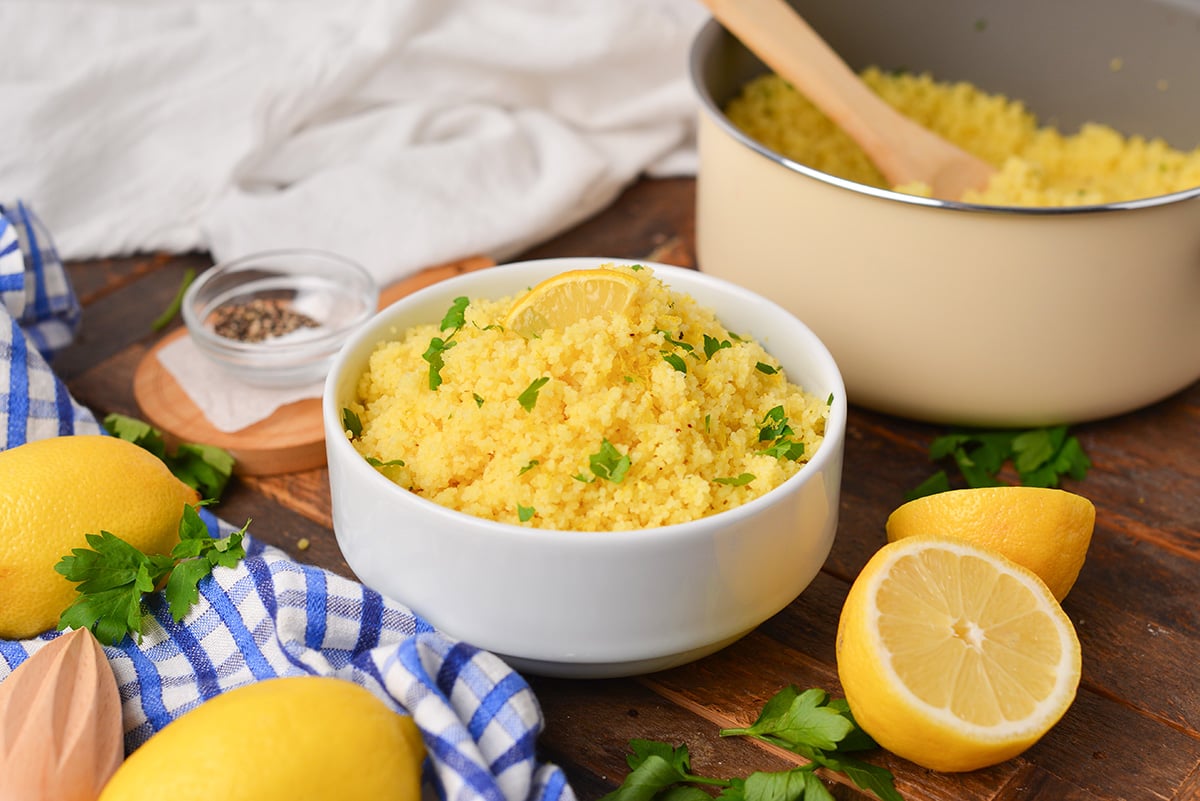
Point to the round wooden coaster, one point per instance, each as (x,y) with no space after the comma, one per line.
(290,440)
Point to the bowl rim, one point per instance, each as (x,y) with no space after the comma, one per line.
(328,339)
(706,40)
(830,449)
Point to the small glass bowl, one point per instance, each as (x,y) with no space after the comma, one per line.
(277,318)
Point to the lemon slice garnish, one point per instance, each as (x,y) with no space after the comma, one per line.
(569,297)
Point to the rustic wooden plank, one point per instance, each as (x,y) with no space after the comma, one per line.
(306,493)
(732,685)
(1112,751)
(107,385)
(116,320)
(593,721)
(279,525)
(96,278)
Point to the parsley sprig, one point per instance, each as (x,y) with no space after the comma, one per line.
(204,468)
(1040,456)
(808,723)
(453,321)
(113,576)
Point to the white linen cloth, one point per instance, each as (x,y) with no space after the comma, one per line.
(400,133)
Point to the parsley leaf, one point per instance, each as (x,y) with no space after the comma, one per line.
(712,345)
(675,360)
(351,423)
(774,425)
(765,368)
(776,430)
(112,576)
(785,449)
(375,461)
(529,397)
(799,718)
(453,321)
(1040,457)
(524,513)
(456,316)
(205,468)
(808,723)
(735,481)
(435,354)
(679,343)
(529,466)
(609,463)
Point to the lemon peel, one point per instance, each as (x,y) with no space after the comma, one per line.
(53,492)
(1046,530)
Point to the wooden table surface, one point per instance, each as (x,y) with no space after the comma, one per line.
(1134,729)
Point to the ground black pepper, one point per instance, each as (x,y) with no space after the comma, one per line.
(258,319)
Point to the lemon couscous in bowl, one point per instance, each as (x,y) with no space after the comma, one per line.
(623,495)
(1069,293)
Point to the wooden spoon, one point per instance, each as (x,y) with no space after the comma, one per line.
(60,723)
(902,150)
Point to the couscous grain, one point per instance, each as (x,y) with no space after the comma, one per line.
(1037,166)
(592,427)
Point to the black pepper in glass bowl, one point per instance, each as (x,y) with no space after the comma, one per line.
(277,318)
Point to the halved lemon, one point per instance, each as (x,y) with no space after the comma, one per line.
(953,656)
(569,297)
(1046,530)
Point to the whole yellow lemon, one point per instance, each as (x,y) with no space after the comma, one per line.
(54,492)
(315,738)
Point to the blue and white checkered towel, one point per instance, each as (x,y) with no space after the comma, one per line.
(271,616)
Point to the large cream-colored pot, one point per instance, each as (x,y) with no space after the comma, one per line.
(953,313)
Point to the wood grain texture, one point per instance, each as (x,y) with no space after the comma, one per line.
(1134,730)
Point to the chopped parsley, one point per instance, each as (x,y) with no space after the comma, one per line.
(529,466)
(679,343)
(736,481)
(524,513)
(776,430)
(528,398)
(376,462)
(675,360)
(351,423)
(607,463)
(712,345)
(453,321)
(763,367)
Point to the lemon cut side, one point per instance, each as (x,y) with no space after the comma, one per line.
(952,656)
(569,297)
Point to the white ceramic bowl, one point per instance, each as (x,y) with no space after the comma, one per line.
(965,314)
(580,604)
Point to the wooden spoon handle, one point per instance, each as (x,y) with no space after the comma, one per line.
(902,150)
